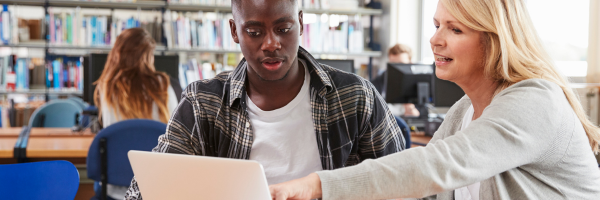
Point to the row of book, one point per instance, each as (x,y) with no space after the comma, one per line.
(14,73)
(332,33)
(193,70)
(14,114)
(71,27)
(203,2)
(64,73)
(58,73)
(314,4)
(200,30)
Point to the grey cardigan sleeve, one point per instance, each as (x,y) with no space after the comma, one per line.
(518,127)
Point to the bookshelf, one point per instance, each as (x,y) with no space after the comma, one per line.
(42,92)
(166,10)
(192,7)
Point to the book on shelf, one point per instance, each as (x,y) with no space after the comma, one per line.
(64,73)
(23,74)
(194,70)
(332,33)
(203,2)
(8,26)
(198,30)
(313,4)
(69,26)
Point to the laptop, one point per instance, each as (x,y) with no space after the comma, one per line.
(177,176)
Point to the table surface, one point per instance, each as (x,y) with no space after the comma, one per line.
(64,143)
(419,138)
(47,142)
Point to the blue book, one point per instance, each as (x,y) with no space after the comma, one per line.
(65,76)
(20,73)
(5,24)
(79,81)
(56,73)
(99,32)
(49,76)
(94,30)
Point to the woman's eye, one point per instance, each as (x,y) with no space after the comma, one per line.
(456,30)
(436,27)
(284,30)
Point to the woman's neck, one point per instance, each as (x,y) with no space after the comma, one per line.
(481,92)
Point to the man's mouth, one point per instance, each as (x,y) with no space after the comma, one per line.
(272,64)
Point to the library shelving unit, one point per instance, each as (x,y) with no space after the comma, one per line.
(162,6)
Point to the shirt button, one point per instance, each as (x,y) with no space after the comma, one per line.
(247,124)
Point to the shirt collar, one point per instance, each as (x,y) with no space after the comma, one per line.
(320,79)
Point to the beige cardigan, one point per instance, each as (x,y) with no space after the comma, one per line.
(527,144)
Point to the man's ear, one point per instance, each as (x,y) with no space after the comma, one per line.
(233,31)
(301,20)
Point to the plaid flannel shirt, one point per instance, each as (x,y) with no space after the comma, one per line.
(351,120)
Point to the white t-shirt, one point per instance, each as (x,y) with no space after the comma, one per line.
(284,139)
(110,117)
(470,192)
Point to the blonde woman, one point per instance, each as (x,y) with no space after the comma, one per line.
(130,88)
(519,133)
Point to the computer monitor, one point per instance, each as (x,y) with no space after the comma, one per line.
(408,83)
(344,65)
(446,93)
(93,65)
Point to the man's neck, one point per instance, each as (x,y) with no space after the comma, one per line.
(271,95)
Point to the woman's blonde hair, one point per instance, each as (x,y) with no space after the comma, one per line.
(129,83)
(513,49)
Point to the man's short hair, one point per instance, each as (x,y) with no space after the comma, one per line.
(236,2)
(400,49)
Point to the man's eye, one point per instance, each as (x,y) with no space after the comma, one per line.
(284,30)
(253,33)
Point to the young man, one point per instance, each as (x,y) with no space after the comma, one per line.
(280,107)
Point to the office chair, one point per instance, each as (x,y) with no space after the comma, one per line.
(56,113)
(107,160)
(405,131)
(39,180)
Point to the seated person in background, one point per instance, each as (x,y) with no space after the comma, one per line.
(399,53)
(280,106)
(131,88)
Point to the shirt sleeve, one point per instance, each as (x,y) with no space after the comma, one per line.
(381,135)
(181,137)
(493,143)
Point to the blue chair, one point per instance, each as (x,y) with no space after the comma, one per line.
(107,156)
(58,180)
(405,131)
(56,113)
(79,102)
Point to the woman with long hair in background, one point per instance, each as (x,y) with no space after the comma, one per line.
(131,88)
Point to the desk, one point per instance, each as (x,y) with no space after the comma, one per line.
(47,144)
(8,138)
(52,144)
(419,139)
